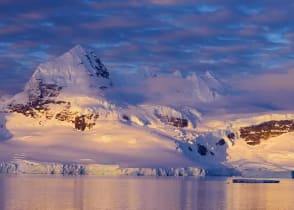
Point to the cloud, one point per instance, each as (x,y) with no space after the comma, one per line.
(267,91)
(276,38)
(231,38)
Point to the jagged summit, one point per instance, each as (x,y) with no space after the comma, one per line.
(205,87)
(215,84)
(78,71)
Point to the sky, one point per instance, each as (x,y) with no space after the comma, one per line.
(247,42)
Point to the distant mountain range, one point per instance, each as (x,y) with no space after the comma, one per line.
(75,116)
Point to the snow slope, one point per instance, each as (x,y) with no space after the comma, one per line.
(254,145)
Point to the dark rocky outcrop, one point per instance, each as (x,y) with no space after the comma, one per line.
(101,70)
(256,133)
(231,136)
(49,90)
(66,115)
(202,150)
(125,117)
(221,142)
(40,107)
(174,121)
(26,110)
(42,90)
(34,108)
(73,169)
(80,123)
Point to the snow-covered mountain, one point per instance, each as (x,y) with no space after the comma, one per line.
(77,117)
(206,87)
(78,71)
(173,89)
(68,89)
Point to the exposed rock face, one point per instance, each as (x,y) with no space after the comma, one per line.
(255,133)
(73,169)
(101,70)
(221,142)
(80,123)
(174,121)
(66,115)
(44,90)
(26,110)
(85,121)
(202,150)
(34,108)
(40,108)
(39,105)
(126,118)
(231,136)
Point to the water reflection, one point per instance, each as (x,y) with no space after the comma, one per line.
(82,193)
(261,196)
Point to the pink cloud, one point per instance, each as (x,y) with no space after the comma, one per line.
(164,2)
(290,36)
(23,45)
(230,49)
(186,34)
(111,22)
(32,16)
(5,2)
(271,16)
(280,78)
(12,29)
(219,16)
(249,31)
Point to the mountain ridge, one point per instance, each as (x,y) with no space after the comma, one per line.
(164,130)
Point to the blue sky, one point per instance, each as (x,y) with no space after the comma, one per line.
(228,37)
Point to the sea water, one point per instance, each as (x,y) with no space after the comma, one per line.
(140,193)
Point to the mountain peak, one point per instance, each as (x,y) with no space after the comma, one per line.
(77,47)
(77,71)
(213,82)
(209,74)
(77,50)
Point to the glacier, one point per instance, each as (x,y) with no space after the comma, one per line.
(28,167)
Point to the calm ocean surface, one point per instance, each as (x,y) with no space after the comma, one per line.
(142,193)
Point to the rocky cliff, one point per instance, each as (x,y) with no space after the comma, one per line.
(254,134)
